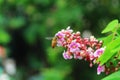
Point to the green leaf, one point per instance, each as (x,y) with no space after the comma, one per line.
(1,2)
(4,37)
(107,39)
(108,52)
(53,54)
(111,26)
(116,49)
(52,74)
(118,57)
(30,33)
(114,76)
(2,20)
(115,43)
(105,56)
(118,30)
(17,22)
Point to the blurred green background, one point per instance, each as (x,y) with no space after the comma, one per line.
(25,25)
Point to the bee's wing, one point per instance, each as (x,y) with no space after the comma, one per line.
(49,38)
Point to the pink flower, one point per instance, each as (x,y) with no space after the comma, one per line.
(90,53)
(77,56)
(98,52)
(59,43)
(100,69)
(74,46)
(89,49)
(66,55)
(60,36)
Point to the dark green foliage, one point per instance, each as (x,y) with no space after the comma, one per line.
(112,44)
(114,76)
(111,26)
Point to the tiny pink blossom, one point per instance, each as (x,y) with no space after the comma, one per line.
(91,56)
(59,43)
(66,55)
(77,56)
(98,52)
(91,64)
(90,53)
(100,69)
(74,46)
(60,36)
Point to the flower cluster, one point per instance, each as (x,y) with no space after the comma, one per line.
(88,49)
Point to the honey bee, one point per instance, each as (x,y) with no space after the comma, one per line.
(54,42)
